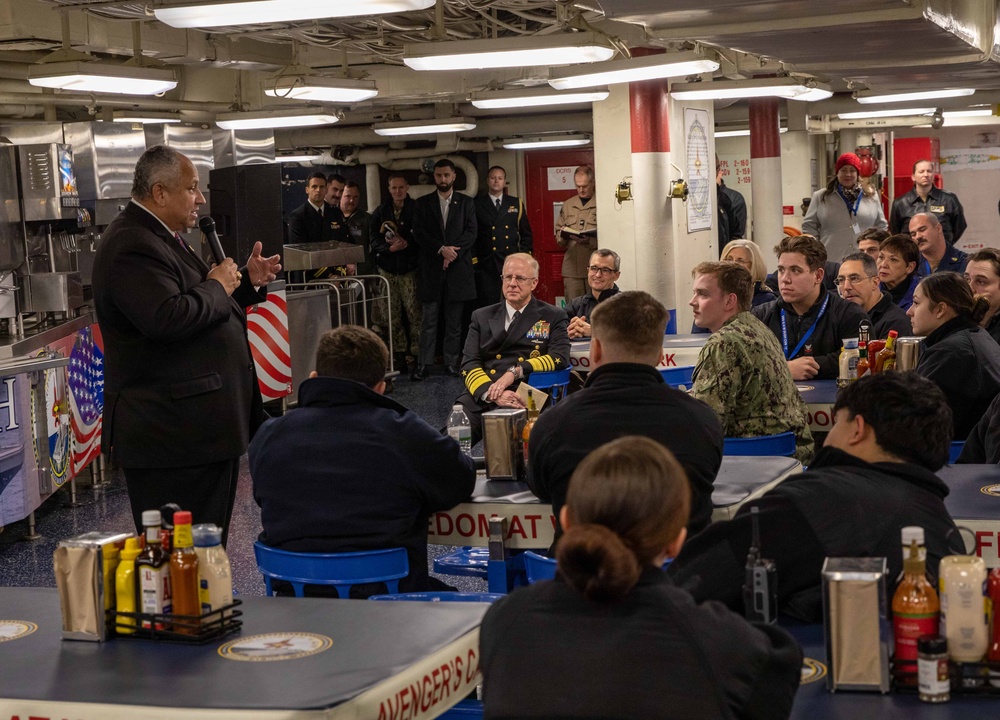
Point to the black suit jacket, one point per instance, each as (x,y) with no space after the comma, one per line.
(180,385)
(501,232)
(536,341)
(429,233)
(306,225)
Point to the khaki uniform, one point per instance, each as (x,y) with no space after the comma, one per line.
(742,375)
(576,215)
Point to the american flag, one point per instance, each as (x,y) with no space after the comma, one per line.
(267,328)
(85,377)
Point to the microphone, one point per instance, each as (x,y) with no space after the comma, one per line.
(207,225)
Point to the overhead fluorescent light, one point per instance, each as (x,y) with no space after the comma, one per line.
(562,49)
(424,127)
(102,77)
(533,97)
(740,133)
(900,112)
(143,118)
(788,87)
(546,141)
(868,98)
(322,89)
(648,67)
(275,11)
(273,119)
(978,112)
(301,157)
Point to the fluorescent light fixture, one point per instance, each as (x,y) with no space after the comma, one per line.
(788,87)
(648,67)
(867,98)
(563,49)
(143,118)
(300,158)
(978,112)
(424,127)
(275,11)
(102,77)
(533,97)
(901,112)
(322,89)
(546,141)
(273,119)
(741,133)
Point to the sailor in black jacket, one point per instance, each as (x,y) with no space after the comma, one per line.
(958,355)
(809,322)
(874,476)
(626,395)
(858,282)
(611,636)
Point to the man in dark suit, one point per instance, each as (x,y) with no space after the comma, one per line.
(510,340)
(444,228)
(316,220)
(503,229)
(181,394)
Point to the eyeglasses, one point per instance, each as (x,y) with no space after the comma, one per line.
(600,270)
(853,279)
(516,278)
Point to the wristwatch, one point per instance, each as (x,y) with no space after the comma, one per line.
(516,371)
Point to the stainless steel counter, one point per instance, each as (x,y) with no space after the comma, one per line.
(11,349)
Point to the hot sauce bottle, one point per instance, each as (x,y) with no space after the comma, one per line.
(915,610)
(526,432)
(184,583)
(862,359)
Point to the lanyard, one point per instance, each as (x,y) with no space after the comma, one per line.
(809,332)
(857,202)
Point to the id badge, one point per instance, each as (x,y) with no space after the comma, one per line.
(856,229)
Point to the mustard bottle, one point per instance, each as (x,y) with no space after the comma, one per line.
(125,585)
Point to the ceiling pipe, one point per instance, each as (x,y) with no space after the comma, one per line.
(119,101)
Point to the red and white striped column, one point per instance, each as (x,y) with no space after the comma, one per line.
(649,117)
(765,172)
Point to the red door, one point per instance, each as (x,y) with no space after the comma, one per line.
(545,193)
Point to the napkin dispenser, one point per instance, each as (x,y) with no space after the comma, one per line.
(83,568)
(856,624)
(502,444)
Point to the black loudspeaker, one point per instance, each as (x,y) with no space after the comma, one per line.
(246,205)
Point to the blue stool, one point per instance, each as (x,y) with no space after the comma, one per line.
(464,709)
(781,444)
(678,377)
(464,562)
(555,383)
(341,570)
(538,567)
(955,451)
(500,575)
(441,597)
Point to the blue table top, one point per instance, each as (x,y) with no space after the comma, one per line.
(974,491)
(814,702)
(818,392)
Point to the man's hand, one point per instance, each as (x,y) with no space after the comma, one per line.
(226,274)
(803,368)
(578,327)
(262,270)
(449,253)
(398,244)
(499,386)
(510,399)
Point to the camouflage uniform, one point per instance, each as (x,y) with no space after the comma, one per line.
(742,375)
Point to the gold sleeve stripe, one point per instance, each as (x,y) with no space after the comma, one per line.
(475,379)
(545,363)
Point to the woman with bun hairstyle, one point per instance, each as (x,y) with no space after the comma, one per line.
(839,212)
(612,636)
(958,355)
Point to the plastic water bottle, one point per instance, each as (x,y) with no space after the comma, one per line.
(459,428)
